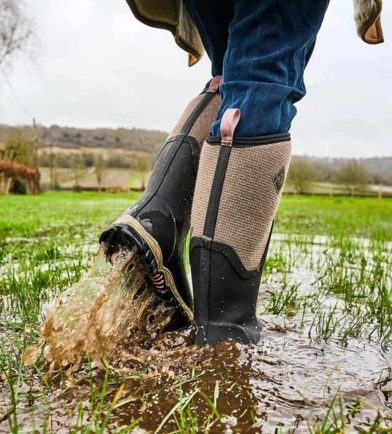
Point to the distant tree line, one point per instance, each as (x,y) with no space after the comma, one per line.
(304,173)
(352,175)
(130,139)
(89,159)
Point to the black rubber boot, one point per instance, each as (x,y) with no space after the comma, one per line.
(238,189)
(225,294)
(158,223)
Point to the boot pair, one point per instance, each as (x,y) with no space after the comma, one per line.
(233,203)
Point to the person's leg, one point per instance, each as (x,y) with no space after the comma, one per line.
(269,46)
(157,225)
(244,164)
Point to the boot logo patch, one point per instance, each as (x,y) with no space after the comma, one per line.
(278,179)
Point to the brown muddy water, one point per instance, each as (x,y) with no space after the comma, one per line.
(288,383)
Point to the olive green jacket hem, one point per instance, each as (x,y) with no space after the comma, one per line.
(171,15)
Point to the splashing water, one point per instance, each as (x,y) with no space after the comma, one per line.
(110,308)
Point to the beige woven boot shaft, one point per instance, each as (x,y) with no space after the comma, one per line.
(250,196)
(208,161)
(201,127)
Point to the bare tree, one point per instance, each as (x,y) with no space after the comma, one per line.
(100,167)
(78,170)
(301,174)
(142,166)
(16,30)
(18,148)
(353,175)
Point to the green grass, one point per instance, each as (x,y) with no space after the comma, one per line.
(331,291)
(60,214)
(338,217)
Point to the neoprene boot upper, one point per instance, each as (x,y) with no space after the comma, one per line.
(159,222)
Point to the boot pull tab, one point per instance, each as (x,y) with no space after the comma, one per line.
(215,83)
(229,122)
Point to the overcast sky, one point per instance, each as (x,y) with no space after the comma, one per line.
(99,67)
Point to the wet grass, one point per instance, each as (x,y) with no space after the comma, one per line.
(350,281)
(328,278)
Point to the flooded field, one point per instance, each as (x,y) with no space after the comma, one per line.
(324,364)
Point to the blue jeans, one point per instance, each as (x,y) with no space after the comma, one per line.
(261,47)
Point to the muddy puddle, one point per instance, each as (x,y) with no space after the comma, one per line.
(157,381)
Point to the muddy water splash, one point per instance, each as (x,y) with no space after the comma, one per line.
(111,307)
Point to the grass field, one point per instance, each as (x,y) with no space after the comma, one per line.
(325,364)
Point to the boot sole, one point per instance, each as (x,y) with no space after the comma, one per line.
(156,251)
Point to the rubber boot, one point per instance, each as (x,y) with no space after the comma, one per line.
(158,223)
(238,189)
